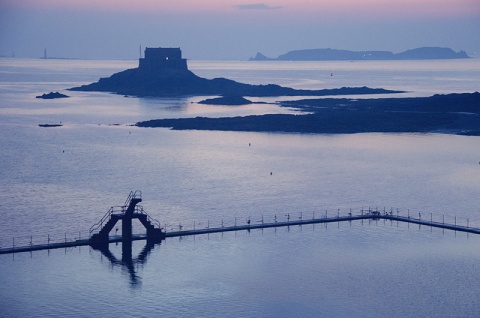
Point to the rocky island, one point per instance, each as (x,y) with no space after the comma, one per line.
(52,95)
(164,73)
(449,114)
(227,100)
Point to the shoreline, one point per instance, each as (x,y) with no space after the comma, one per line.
(457,114)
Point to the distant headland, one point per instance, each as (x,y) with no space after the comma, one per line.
(423,53)
(164,73)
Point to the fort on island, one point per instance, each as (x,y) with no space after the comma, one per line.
(162,72)
(158,59)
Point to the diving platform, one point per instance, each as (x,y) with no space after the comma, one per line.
(100,232)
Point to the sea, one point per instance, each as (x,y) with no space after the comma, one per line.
(57,182)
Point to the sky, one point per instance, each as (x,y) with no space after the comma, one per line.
(232,29)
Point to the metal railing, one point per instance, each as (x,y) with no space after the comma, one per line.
(405,215)
(139,210)
(330,214)
(133,195)
(97,227)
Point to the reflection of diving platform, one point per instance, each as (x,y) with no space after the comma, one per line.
(127,261)
(100,232)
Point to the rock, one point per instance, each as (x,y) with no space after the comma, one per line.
(49,125)
(449,114)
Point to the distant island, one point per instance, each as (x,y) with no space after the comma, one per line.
(423,53)
(164,73)
(52,95)
(227,100)
(449,114)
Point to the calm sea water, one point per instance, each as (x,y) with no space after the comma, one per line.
(57,182)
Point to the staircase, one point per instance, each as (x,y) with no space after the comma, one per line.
(99,232)
(152,231)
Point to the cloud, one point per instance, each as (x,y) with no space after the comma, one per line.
(257,6)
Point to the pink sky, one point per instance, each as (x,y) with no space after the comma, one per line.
(233,29)
(369,8)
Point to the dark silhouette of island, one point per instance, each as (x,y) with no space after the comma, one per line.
(49,125)
(449,114)
(423,53)
(227,100)
(52,95)
(164,73)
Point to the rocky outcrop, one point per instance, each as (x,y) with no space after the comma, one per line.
(227,100)
(52,95)
(449,114)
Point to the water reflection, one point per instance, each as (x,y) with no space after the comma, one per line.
(175,105)
(127,262)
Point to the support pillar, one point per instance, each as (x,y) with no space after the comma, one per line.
(126,228)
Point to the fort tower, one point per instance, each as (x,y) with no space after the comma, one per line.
(158,59)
